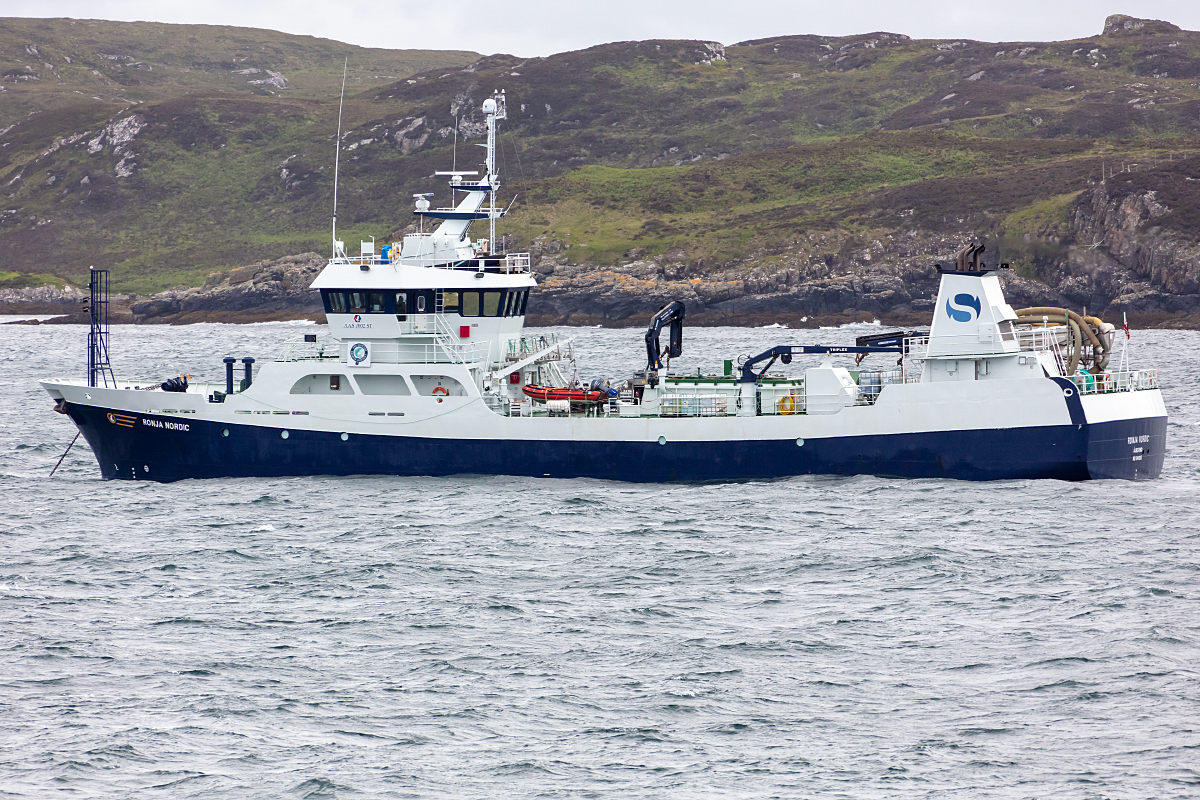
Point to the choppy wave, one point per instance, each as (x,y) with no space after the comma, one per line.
(485,637)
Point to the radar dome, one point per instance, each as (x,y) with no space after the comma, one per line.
(489,106)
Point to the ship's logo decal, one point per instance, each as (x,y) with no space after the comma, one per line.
(124,420)
(959,309)
(359,353)
(357,318)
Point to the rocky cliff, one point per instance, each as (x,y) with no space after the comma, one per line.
(268,290)
(1124,252)
(848,280)
(1127,244)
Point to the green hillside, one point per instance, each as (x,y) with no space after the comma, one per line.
(725,153)
(57,63)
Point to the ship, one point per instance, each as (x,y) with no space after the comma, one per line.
(427,370)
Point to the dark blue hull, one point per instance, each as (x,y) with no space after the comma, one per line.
(1130,449)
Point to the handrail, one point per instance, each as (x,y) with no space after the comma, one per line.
(1134,380)
(554,347)
(510,263)
(301,350)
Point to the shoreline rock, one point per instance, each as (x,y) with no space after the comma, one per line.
(1135,265)
(267,290)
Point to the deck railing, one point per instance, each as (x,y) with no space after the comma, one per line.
(442,347)
(1134,380)
(323,348)
(693,405)
(507,263)
(523,347)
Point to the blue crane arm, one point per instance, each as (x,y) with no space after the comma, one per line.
(670,314)
(784,352)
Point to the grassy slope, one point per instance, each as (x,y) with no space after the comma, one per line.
(124,62)
(654,145)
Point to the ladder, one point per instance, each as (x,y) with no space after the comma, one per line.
(99,368)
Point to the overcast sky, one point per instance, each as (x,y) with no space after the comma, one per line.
(542,27)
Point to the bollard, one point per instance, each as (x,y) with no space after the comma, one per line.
(248,361)
(229,374)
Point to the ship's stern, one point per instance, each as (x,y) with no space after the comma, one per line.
(1127,434)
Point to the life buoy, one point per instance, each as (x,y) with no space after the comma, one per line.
(1106,382)
(439,392)
(787,404)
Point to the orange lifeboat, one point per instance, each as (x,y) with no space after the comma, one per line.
(581,397)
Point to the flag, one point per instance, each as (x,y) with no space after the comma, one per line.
(1125,320)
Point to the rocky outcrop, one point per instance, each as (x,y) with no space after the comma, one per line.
(1122,25)
(843,279)
(1134,263)
(1126,257)
(42,296)
(276,289)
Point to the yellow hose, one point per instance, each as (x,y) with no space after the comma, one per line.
(1051,312)
(1082,325)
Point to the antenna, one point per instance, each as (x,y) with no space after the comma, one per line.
(338,153)
(454,160)
(495,109)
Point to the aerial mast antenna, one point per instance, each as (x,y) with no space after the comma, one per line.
(497,111)
(337,154)
(454,161)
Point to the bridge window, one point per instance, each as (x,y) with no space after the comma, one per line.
(357,302)
(522,301)
(375,303)
(470,304)
(401,306)
(508,303)
(491,304)
(335,302)
(449,301)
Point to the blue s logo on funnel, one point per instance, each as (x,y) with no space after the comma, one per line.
(959,309)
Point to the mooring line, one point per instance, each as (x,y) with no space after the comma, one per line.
(64,455)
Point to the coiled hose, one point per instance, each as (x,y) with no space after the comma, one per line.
(1079,327)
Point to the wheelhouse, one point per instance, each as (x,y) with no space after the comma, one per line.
(504,302)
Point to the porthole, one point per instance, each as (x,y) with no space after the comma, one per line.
(225,431)
(283,435)
(662,440)
(345,437)
(1068,392)
(799,443)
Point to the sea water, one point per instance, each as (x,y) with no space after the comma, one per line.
(483,637)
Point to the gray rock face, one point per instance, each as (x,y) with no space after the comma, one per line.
(1138,266)
(265,287)
(1122,25)
(42,295)
(1123,261)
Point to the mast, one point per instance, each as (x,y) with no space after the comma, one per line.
(338,154)
(99,369)
(496,111)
